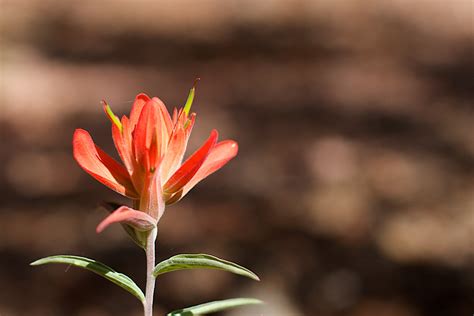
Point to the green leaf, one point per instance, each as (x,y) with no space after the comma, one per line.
(215,306)
(198,261)
(97,267)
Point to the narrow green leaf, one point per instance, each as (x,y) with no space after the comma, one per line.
(97,267)
(215,306)
(199,261)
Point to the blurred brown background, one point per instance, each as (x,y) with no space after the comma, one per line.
(353,192)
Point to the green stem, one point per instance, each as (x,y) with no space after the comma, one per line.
(150,279)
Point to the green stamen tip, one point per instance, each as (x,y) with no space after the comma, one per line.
(189,101)
(115,120)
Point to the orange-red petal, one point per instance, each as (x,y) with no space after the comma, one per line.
(174,153)
(165,128)
(143,135)
(122,143)
(220,154)
(165,115)
(138,104)
(151,197)
(186,172)
(100,165)
(125,215)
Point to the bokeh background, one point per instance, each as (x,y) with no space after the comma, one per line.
(353,191)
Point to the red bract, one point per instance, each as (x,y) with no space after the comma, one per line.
(151,144)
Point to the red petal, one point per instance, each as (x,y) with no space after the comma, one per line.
(144,133)
(100,165)
(138,220)
(176,147)
(220,154)
(151,197)
(171,199)
(165,115)
(174,153)
(175,116)
(166,125)
(191,166)
(140,101)
(122,143)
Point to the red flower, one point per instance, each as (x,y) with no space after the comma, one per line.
(151,145)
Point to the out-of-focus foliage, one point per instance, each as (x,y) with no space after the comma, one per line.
(355,125)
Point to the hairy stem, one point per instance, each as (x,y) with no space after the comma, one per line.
(150,279)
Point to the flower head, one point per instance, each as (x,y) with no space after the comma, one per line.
(151,144)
